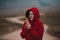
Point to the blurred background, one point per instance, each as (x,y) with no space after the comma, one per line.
(12,18)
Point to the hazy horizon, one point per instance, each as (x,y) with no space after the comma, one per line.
(9,7)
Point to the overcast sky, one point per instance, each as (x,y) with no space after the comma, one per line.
(17,6)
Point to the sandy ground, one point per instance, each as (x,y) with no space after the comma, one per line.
(16,34)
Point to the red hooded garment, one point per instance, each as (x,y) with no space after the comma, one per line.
(36,31)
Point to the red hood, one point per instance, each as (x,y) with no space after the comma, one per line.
(36,13)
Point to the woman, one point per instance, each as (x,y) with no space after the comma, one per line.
(32,28)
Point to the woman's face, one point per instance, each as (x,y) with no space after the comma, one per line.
(31,16)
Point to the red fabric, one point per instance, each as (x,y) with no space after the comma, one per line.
(36,31)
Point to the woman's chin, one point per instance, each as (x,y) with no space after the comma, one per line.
(31,19)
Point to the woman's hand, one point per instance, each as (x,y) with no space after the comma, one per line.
(27,23)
